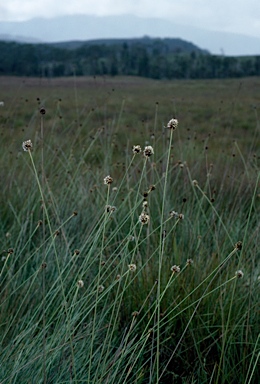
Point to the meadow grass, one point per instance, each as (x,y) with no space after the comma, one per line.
(150,275)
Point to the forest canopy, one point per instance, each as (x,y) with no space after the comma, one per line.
(147,57)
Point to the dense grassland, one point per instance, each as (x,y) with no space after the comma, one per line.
(89,293)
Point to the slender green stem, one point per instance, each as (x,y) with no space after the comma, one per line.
(161,252)
(43,258)
(249,378)
(191,317)
(98,284)
(53,236)
(254,368)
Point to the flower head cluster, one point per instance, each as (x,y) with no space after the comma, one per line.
(239,274)
(80,283)
(179,216)
(42,111)
(101,288)
(110,208)
(108,180)
(144,218)
(137,149)
(172,124)
(175,269)
(238,245)
(132,267)
(148,151)
(27,145)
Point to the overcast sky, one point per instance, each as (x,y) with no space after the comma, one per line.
(238,16)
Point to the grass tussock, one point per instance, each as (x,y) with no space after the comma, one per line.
(129,232)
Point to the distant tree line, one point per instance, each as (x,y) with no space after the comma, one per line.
(153,58)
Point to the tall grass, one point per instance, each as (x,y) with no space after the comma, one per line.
(149,276)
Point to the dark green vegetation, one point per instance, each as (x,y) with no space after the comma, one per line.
(146,57)
(200,325)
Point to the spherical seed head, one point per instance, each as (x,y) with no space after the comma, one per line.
(132,267)
(195,183)
(148,151)
(172,124)
(175,269)
(144,218)
(189,261)
(108,180)
(239,274)
(181,216)
(145,204)
(137,149)
(27,145)
(80,283)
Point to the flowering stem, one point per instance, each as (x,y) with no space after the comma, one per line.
(161,251)
(98,283)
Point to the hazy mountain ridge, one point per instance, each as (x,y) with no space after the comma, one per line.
(83,27)
(170,44)
(18,38)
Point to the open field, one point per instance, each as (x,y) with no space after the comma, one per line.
(153,278)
